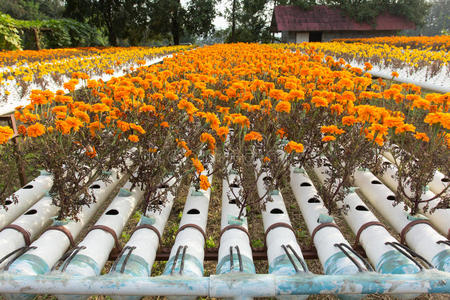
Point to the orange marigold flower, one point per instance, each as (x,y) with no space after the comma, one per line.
(328,138)
(394,74)
(90,152)
(99,107)
(348,120)
(198,165)
(281,133)
(404,128)
(222,132)
(422,136)
(138,128)
(319,101)
(208,138)
(293,146)
(164,124)
(5,134)
(74,123)
(147,108)
(332,129)
(204,183)
(253,136)
(283,106)
(336,109)
(381,129)
(35,130)
(266,159)
(134,138)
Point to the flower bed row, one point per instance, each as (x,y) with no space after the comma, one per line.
(256,105)
(434,43)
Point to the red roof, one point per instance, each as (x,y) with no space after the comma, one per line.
(323,18)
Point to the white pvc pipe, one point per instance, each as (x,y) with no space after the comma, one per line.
(315,214)
(145,240)
(436,185)
(98,243)
(421,238)
(26,197)
(385,258)
(187,254)
(233,238)
(33,222)
(52,244)
(440,217)
(279,238)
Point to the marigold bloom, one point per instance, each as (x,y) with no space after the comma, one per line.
(134,138)
(198,165)
(348,120)
(222,132)
(74,123)
(99,107)
(422,136)
(319,101)
(204,183)
(332,129)
(328,138)
(208,138)
(35,130)
(394,74)
(266,159)
(253,136)
(283,106)
(5,134)
(293,146)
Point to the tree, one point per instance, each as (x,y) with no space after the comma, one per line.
(32,9)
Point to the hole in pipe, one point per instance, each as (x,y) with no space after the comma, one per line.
(193,212)
(445,179)
(233,201)
(28,187)
(112,212)
(160,202)
(31,212)
(327,165)
(392,198)
(267,178)
(386,163)
(276,211)
(234,185)
(313,200)
(163,186)
(375,182)
(305,184)
(8,202)
(95,186)
(361,208)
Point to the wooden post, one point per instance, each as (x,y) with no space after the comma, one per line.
(17,147)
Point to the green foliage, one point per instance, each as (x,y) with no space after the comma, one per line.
(51,33)
(9,34)
(32,9)
(210,243)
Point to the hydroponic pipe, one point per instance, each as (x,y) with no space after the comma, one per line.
(187,254)
(21,200)
(436,185)
(25,229)
(440,217)
(284,254)
(414,230)
(95,248)
(235,253)
(138,255)
(229,285)
(372,235)
(55,241)
(332,247)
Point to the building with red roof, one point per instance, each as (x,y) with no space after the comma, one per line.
(322,23)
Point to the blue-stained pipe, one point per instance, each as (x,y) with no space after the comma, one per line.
(229,285)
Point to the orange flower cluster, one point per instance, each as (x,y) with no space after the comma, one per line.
(237,93)
(440,42)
